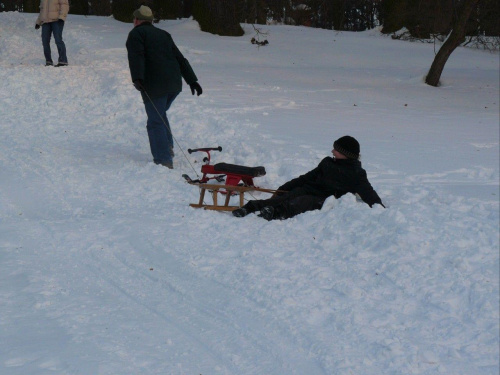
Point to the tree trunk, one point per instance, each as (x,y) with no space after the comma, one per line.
(79,7)
(456,37)
(218,17)
(31,6)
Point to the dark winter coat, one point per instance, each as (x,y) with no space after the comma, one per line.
(155,60)
(334,177)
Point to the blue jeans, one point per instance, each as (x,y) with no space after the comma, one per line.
(159,133)
(55,28)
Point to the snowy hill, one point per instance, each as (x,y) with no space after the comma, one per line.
(105,269)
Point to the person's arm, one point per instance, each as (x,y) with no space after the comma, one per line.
(300,181)
(366,191)
(187,71)
(63,9)
(136,56)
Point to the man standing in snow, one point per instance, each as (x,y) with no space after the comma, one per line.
(333,176)
(52,17)
(157,68)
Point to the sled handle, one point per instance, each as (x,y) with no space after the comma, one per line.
(206,149)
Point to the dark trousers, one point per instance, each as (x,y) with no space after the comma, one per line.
(54,28)
(289,204)
(160,135)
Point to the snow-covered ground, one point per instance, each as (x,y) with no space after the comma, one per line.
(105,269)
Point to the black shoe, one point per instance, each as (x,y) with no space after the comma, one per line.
(267,213)
(240,212)
(61,64)
(49,63)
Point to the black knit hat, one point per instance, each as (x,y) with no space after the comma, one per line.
(347,146)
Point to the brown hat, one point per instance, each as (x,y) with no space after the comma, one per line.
(144,13)
(347,146)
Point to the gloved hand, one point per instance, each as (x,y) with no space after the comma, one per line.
(196,87)
(138,85)
(37,26)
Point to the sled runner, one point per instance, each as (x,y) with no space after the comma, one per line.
(238,180)
(228,191)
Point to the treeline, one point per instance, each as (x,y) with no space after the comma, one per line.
(422,18)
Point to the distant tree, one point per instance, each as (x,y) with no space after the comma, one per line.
(79,7)
(168,9)
(218,17)
(424,18)
(393,15)
(352,15)
(123,9)
(31,6)
(489,15)
(187,8)
(253,11)
(100,7)
(11,5)
(338,14)
(279,10)
(456,37)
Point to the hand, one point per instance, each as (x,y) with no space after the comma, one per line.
(138,85)
(37,26)
(196,87)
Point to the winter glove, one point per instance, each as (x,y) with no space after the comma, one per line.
(37,26)
(196,87)
(138,85)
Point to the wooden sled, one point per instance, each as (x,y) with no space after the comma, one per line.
(228,190)
(239,180)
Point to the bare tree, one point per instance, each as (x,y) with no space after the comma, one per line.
(456,37)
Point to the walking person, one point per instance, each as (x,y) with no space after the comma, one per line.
(157,68)
(335,176)
(52,17)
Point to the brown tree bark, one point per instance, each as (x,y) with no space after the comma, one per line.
(456,37)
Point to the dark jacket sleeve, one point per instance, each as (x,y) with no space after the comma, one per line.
(366,191)
(136,55)
(187,71)
(301,180)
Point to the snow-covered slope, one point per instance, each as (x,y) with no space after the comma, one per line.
(105,269)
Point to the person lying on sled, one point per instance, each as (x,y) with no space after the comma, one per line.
(335,176)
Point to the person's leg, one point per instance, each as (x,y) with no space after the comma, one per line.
(170,99)
(46,33)
(257,205)
(57,29)
(157,131)
(292,207)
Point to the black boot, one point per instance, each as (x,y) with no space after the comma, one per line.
(240,212)
(273,213)
(267,213)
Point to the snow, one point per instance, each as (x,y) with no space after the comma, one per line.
(105,269)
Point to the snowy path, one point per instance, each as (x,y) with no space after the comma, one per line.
(104,268)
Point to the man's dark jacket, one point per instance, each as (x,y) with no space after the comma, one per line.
(334,177)
(155,60)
